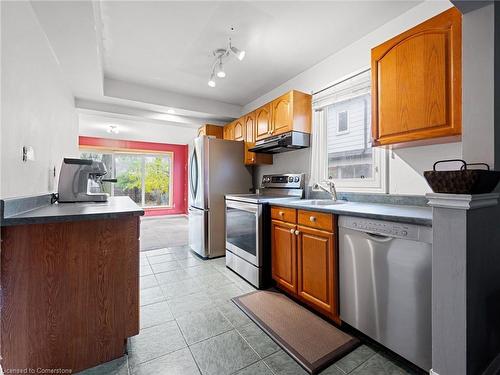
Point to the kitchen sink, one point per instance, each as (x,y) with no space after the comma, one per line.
(320,202)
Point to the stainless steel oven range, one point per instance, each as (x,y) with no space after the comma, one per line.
(248,244)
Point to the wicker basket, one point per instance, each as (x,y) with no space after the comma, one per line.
(464,180)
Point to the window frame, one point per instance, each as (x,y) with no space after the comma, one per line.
(380,182)
(143,154)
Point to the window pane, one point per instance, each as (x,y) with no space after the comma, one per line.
(157,180)
(107,159)
(129,176)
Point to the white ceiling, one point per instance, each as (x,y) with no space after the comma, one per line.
(167,45)
(141,59)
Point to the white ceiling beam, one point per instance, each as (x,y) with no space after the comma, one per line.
(145,94)
(112,110)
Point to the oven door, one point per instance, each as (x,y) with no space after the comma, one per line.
(244,230)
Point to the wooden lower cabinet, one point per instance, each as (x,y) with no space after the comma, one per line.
(304,260)
(284,255)
(316,266)
(70,293)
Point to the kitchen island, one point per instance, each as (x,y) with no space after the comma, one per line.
(69,282)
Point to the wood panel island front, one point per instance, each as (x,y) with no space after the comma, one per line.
(69,284)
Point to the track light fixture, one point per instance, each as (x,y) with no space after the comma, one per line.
(218,64)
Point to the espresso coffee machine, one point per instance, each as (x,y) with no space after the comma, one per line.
(81,181)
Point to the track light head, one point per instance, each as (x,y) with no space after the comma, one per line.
(240,55)
(211,81)
(220,70)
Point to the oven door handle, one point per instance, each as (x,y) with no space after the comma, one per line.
(249,207)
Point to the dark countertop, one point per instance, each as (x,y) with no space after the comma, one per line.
(115,207)
(399,213)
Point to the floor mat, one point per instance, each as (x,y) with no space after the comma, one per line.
(310,340)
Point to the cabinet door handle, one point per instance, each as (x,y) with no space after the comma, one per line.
(297,232)
(292,231)
(312,218)
(281,213)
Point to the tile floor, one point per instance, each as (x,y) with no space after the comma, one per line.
(190,326)
(163,231)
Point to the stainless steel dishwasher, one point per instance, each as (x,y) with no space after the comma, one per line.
(385,284)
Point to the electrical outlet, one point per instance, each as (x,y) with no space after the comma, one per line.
(28,153)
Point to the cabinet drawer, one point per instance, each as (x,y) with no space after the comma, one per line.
(284,214)
(318,220)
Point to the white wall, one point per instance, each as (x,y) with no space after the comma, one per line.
(405,165)
(37,105)
(133,130)
(478,29)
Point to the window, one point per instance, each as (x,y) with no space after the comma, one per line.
(145,178)
(345,111)
(342,122)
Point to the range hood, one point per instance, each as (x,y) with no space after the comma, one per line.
(281,143)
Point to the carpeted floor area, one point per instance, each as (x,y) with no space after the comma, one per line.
(163,231)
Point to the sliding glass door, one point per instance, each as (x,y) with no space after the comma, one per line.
(157,169)
(145,178)
(130,176)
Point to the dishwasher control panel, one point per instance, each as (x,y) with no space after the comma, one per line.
(382,227)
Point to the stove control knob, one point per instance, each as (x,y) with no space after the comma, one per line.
(296,179)
(290,179)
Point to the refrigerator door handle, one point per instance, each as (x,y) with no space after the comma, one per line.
(194,174)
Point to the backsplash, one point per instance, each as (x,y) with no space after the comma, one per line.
(297,161)
(404,200)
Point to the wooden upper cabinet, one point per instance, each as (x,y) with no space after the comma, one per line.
(251,158)
(239,129)
(250,127)
(263,122)
(291,111)
(211,130)
(416,83)
(282,116)
(316,265)
(284,255)
(229,131)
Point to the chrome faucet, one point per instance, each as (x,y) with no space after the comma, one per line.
(330,188)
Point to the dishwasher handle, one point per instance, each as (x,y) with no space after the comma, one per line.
(378,237)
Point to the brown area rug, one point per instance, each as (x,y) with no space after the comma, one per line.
(310,340)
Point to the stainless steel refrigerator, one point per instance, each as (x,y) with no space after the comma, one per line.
(216,168)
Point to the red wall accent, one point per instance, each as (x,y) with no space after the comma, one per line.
(180,187)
